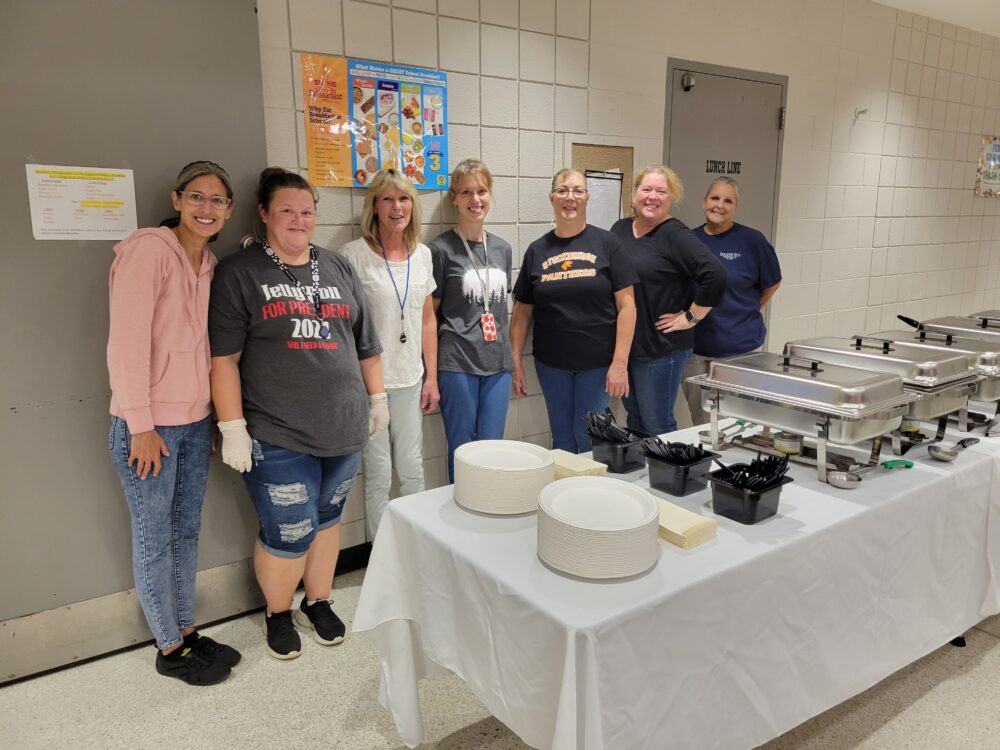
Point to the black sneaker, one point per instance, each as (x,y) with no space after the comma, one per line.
(320,618)
(226,654)
(283,640)
(191,666)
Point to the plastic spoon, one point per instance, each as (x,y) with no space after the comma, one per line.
(949,453)
(849,480)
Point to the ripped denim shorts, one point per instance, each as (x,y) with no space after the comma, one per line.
(296,495)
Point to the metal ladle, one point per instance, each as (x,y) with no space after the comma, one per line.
(849,480)
(949,453)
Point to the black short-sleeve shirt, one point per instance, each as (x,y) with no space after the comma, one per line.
(571,281)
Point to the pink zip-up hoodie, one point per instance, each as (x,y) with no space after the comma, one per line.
(158,353)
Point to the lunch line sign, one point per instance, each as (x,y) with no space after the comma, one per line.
(363,116)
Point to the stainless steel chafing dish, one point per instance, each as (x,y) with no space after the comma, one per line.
(941,380)
(984,325)
(982,357)
(830,402)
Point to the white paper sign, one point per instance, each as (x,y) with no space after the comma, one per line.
(81,203)
(604,207)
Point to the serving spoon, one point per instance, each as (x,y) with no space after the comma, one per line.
(949,453)
(849,480)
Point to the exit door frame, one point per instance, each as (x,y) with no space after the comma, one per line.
(674,63)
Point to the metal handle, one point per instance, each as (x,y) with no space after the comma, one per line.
(813,363)
(984,320)
(949,338)
(886,343)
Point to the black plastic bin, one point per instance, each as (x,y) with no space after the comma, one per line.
(620,458)
(678,479)
(744,506)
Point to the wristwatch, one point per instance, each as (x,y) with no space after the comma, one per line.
(691,317)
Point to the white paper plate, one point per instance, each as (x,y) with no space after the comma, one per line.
(501,476)
(597,527)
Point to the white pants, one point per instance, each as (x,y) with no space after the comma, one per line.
(401,444)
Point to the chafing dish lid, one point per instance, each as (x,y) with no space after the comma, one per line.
(981,354)
(981,326)
(917,366)
(820,386)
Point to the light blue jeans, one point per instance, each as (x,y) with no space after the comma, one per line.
(569,395)
(166,519)
(653,388)
(473,407)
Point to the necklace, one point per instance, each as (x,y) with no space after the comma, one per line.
(406,292)
(313,291)
(486,320)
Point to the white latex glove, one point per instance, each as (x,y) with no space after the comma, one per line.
(378,413)
(236,445)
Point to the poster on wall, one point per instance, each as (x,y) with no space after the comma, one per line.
(988,169)
(604,207)
(363,116)
(80,203)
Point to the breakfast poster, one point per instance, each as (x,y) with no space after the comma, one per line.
(988,169)
(363,116)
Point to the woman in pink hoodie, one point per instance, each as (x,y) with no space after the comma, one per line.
(161,428)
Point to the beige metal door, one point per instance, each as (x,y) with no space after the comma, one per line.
(725,121)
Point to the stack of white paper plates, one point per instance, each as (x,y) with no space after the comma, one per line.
(501,476)
(597,527)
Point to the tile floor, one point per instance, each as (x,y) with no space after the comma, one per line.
(328,698)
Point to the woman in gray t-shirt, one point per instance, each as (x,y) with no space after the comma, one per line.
(472,270)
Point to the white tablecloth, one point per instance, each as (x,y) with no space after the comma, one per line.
(724,646)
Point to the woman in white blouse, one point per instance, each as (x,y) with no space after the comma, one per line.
(396,274)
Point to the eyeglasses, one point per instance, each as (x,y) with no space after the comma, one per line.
(563,192)
(198,199)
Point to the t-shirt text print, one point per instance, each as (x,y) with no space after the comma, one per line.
(287,301)
(565,262)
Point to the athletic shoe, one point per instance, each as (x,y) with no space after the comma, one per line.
(320,618)
(226,654)
(283,640)
(191,666)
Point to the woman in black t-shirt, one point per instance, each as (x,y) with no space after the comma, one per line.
(575,285)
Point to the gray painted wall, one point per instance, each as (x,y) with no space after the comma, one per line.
(142,85)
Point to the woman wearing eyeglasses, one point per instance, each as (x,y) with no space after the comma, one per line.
(576,288)
(681,282)
(161,429)
(297,386)
(396,272)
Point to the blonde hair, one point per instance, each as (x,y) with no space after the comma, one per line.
(469,168)
(674,185)
(384,181)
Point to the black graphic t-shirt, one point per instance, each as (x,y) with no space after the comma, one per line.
(300,391)
(676,270)
(571,281)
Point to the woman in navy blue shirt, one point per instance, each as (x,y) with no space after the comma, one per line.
(737,325)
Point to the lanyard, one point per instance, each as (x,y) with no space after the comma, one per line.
(484,283)
(406,292)
(313,291)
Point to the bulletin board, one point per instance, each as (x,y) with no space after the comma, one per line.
(601,158)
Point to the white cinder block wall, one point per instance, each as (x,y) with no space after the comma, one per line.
(877,214)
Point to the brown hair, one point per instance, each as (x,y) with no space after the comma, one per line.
(467,168)
(384,181)
(562,173)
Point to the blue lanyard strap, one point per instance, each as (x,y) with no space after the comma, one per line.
(406,290)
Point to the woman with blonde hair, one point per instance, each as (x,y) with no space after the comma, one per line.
(396,273)
(472,272)
(681,282)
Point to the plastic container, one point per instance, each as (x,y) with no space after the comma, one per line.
(678,479)
(620,458)
(743,506)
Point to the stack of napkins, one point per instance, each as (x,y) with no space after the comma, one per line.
(571,465)
(681,527)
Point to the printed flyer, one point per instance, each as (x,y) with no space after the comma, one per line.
(80,203)
(988,169)
(363,116)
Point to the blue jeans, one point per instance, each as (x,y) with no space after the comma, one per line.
(653,390)
(473,407)
(166,519)
(569,394)
(296,495)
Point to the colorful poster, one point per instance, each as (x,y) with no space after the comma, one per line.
(988,170)
(365,116)
(81,203)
